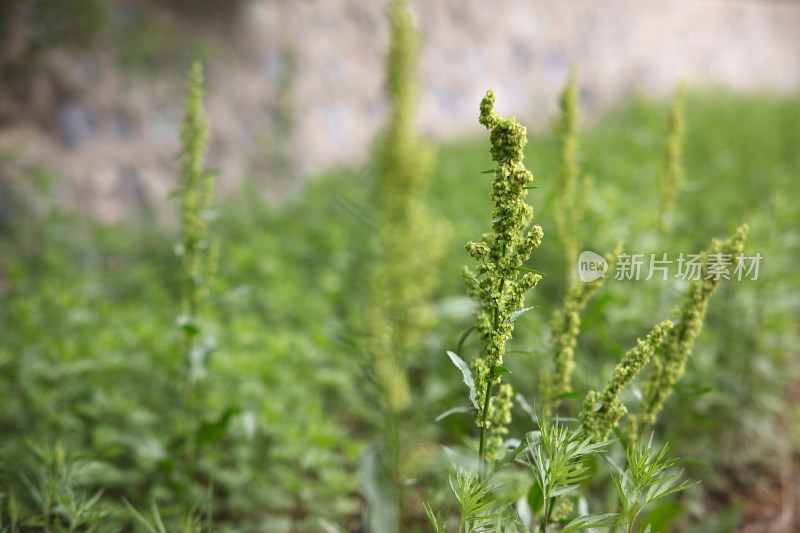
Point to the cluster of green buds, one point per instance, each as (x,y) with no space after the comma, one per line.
(408,239)
(570,191)
(199,252)
(674,339)
(602,411)
(668,366)
(500,284)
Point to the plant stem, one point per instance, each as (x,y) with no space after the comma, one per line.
(484,416)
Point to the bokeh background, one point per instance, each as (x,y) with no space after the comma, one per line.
(94,89)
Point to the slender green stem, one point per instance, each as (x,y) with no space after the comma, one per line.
(484,416)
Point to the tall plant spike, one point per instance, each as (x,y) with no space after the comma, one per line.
(671,174)
(196,188)
(199,252)
(602,411)
(409,238)
(668,366)
(498,286)
(565,327)
(568,206)
(408,247)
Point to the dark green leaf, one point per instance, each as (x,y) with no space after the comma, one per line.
(620,436)
(463,339)
(186,323)
(500,370)
(212,431)
(535,498)
(662,515)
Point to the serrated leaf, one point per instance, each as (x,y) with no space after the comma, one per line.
(469,381)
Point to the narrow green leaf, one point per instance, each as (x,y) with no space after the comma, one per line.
(620,436)
(523,403)
(453,411)
(508,458)
(697,462)
(139,518)
(469,381)
(689,392)
(490,171)
(522,311)
(531,187)
(435,519)
(463,339)
(592,520)
(523,269)
(558,491)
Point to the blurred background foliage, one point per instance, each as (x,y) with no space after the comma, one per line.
(90,367)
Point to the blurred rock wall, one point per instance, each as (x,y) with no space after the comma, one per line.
(295,86)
